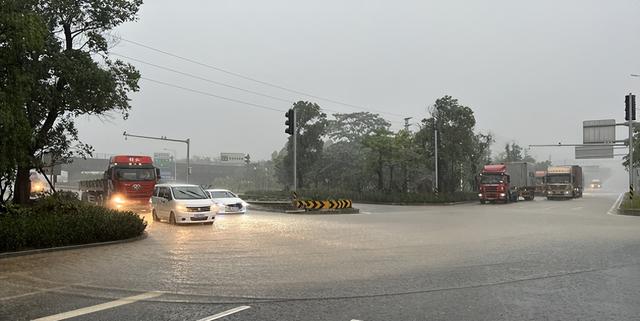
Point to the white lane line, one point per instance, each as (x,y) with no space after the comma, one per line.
(614,206)
(577,208)
(225,313)
(100,307)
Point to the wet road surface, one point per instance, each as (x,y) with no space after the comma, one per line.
(540,260)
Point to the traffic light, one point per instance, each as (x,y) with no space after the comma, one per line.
(291,127)
(247,159)
(630,107)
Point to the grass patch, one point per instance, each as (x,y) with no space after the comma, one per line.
(62,220)
(365,197)
(630,204)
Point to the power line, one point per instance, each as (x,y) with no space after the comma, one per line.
(221,97)
(212,95)
(256,80)
(202,78)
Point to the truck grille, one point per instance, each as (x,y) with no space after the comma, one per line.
(199,209)
(491,189)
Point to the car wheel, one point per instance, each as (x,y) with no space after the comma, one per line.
(172,219)
(155,216)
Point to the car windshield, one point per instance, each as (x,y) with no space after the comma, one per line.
(188,192)
(222,194)
(135,174)
(491,179)
(558,179)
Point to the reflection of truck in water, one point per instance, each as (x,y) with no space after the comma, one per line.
(541,183)
(507,182)
(564,182)
(128,183)
(595,184)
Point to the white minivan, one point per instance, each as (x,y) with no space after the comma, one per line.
(182,203)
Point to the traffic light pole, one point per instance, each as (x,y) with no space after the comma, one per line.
(186,141)
(631,155)
(295,154)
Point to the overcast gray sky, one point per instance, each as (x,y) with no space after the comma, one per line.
(530,70)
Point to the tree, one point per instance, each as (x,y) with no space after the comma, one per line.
(311,124)
(380,151)
(456,140)
(21,32)
(354,126)
(515,153)
(69,74)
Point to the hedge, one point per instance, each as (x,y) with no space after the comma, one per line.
(365,197)
(61,220)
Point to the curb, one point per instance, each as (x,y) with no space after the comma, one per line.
(616,210)
(344,211)
(71,247)
(419,204)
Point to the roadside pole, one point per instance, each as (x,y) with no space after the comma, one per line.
(435,144)
(631,156)
(188,162)
(295,154)
(630,116)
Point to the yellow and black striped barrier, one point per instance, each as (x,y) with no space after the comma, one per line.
(326,204)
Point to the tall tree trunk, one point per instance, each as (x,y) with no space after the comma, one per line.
(22,189)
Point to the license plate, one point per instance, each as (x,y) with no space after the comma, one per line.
(199,215)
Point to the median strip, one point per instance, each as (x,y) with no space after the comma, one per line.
(100,307)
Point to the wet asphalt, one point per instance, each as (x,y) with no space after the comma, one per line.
(539,260)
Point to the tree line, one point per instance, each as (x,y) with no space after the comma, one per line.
(359,151)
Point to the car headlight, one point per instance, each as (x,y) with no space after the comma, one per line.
(245,204)
(181,208)
(118,199)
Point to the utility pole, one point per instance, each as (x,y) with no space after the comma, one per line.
(186,141)
(406,123)
(434,115)
(630,116)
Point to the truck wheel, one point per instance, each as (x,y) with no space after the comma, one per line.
(155,216)
(483,202)
(172,219)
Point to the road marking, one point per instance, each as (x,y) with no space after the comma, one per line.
(225,313)
(577,208)
(100,307)
(615,205)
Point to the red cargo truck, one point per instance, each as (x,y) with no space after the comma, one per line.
(507,182)
(128,183)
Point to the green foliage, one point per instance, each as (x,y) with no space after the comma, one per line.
(460,150)
(514,153)
(56,67)
(61,220)
(354,127)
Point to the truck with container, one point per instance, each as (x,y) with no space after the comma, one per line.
(507,182)
(564,182)
(127,184)
(541,184)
